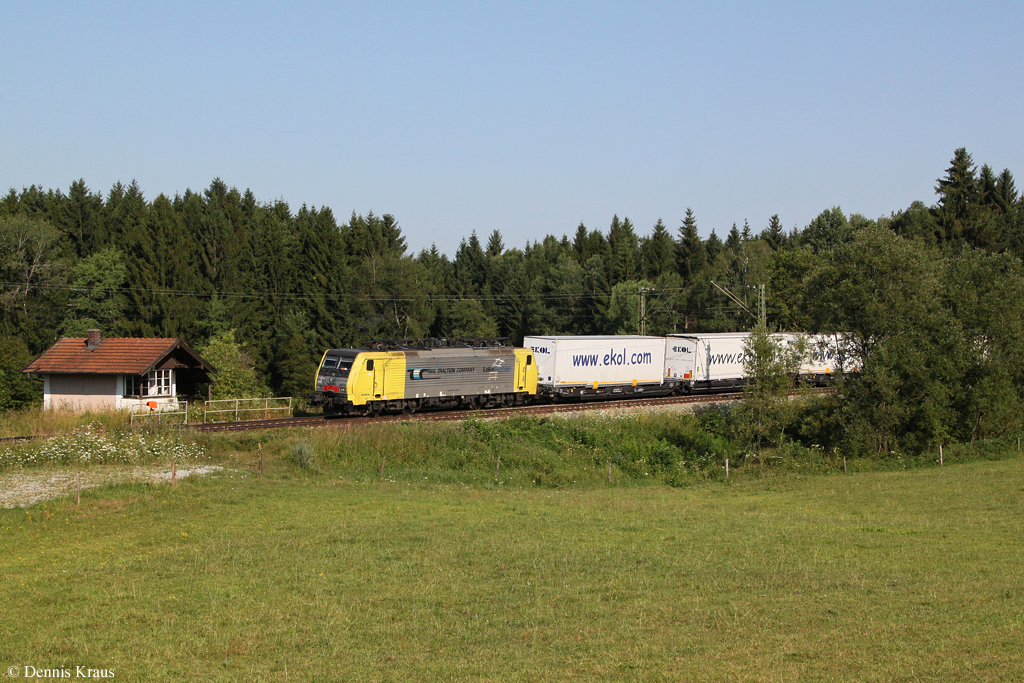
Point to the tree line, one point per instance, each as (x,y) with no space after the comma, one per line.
(939,280)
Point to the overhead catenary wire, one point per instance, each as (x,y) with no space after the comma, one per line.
(319,296)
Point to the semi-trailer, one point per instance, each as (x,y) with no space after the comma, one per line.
(594,366)
(706,361)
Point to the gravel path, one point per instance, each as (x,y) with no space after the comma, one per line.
(21,488)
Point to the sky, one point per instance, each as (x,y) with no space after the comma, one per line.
(523,117)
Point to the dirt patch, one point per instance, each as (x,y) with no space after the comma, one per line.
(19,489)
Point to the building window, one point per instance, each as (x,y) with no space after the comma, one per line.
(160,383)
(134,385)
(156,383)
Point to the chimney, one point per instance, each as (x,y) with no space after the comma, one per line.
(93,339)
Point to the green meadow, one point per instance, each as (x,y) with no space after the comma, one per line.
(325,570)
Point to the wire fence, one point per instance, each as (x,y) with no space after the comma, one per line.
(233,409)
(158,417)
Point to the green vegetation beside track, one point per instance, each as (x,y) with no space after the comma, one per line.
(443,572)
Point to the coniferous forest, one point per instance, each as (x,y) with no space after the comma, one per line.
(932,295)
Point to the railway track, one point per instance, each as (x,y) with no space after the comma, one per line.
(447,415)
(458,415)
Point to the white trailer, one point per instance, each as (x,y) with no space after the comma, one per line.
(707,361)
(715,361)
(600,366)
(825,357)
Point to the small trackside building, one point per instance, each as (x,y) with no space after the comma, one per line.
(139,375)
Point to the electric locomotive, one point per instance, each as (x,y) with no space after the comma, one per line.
(370,382)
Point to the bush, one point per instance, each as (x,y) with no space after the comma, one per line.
(304,456)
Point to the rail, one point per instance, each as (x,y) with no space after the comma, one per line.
(242,405)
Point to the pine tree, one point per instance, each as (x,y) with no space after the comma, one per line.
(713,246)
(734,239)
(624,247)
(373,235)
(596,291)
(691,256)
(958,196)
(773,234)
(471,266)
(82,219)
(1006,191)
(988,195)
(658,252)
(495,245)
(580,244)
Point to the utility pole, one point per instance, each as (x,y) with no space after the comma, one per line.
(761,317)
(641,320)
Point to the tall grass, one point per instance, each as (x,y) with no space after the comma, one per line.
(36,421)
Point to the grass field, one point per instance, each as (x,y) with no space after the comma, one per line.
(882,576)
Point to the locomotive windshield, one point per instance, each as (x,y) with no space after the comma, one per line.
(337,365)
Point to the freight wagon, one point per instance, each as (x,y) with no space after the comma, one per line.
(593,367)
(365,382)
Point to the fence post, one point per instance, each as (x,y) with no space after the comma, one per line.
(727,468)
(260,446)
(236,410)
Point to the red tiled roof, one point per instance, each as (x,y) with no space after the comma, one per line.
(115,355)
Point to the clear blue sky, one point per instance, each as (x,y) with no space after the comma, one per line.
(526,117)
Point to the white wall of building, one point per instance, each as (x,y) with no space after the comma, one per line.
(82,393)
